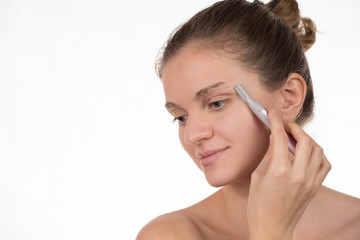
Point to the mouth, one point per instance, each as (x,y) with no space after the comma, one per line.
(208,157)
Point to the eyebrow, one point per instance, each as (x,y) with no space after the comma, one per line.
(201,93)
(208,90)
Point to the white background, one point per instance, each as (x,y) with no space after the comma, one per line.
(87,150)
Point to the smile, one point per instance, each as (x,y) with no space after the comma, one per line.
(208,157)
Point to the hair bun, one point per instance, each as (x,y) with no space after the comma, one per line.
(288,11)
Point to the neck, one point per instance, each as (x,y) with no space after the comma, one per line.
(233,198)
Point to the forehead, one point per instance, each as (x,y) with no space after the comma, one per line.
(196,59)
(193,69)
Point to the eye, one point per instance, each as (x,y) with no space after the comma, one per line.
(218,104)
(181,119)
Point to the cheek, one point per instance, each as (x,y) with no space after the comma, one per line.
(247,134)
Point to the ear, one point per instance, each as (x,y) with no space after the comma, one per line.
(292,97)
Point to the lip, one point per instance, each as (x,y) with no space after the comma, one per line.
(208,157)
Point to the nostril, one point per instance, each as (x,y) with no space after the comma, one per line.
(197,129)
(197,135)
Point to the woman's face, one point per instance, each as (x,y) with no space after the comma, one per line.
(216,128)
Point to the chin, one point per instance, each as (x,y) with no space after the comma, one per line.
(216,184)
(219,179)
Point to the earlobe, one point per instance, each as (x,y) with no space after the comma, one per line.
(293,94)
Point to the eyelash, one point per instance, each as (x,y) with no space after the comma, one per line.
(211,106)
(223,102)
(177,119)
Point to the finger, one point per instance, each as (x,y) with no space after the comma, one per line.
(279,140)
(324,169)
(317,158)
(303,148)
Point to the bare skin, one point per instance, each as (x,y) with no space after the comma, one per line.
(330,215)
(266,192)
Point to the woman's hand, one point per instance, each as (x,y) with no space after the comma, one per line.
(283,185)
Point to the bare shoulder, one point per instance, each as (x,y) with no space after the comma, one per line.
(343,214)
(349,205)
(170,226)
(349,208)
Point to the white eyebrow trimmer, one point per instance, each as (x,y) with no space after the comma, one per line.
(261,113)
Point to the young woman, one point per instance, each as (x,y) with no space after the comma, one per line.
(267,193)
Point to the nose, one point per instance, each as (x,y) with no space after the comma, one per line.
(197,129)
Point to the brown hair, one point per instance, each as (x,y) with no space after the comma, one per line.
(268,38)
